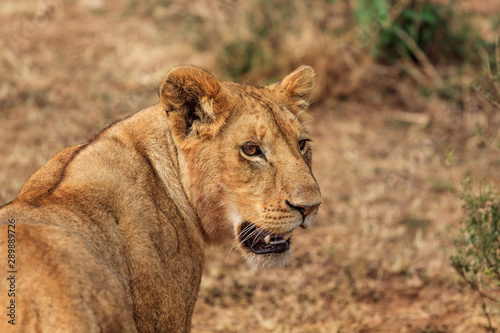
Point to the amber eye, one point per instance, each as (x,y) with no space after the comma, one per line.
(251,150)
(302,144)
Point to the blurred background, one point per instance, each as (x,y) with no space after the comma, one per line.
(406,138)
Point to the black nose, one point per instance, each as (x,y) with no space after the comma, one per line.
(304,209)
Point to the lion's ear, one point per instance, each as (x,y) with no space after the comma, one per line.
(188,95)
(297,87)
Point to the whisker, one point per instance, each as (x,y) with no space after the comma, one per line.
(243,232)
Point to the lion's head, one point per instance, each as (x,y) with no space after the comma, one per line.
(245,158)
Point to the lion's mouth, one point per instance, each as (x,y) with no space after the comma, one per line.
(260,241)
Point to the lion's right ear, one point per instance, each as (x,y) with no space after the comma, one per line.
(297,88)
(191,97)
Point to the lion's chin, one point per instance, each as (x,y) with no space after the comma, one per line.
(266,261)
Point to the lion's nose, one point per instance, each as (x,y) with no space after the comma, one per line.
(304,209)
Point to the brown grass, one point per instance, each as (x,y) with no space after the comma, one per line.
(377,259)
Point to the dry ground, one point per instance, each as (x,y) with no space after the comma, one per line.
(377,260)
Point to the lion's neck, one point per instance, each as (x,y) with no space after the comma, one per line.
(151,133)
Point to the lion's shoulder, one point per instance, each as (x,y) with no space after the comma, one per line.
(45,179)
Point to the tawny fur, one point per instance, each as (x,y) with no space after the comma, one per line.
(110,234)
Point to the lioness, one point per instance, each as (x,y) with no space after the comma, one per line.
(109,235)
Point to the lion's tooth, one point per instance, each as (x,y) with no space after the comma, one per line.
(287,235)
(267,239)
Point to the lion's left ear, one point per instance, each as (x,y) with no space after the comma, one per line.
(297,87)
(192,99)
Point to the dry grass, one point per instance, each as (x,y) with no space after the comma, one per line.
(377,259)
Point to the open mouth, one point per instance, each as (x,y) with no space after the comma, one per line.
(260,241)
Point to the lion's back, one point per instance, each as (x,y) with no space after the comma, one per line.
(54,282)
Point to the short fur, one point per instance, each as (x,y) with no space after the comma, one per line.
(110,234)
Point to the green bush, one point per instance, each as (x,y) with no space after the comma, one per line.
(436,29)
(477,257)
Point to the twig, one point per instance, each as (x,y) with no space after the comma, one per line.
(414,73)
(497,63)
(485,310)
(485,96)
(428,68)
(474,286)
(348,13)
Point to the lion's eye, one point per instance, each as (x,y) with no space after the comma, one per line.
(302,144)
(251,150)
